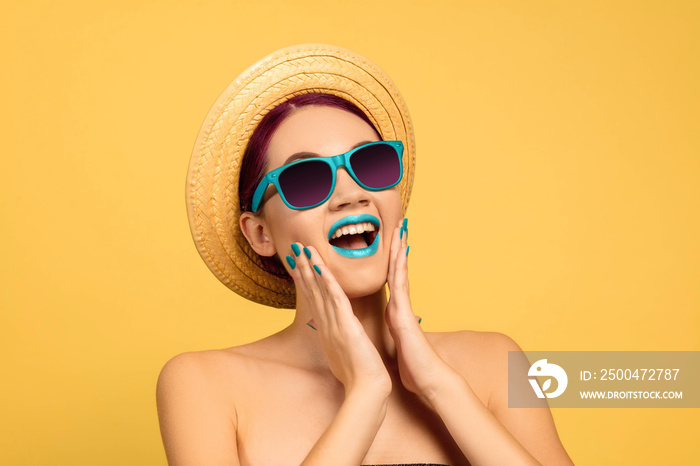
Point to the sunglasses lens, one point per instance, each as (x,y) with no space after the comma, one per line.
(377,166)
(306,184)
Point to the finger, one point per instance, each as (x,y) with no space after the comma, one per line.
(404,237)
(400,313)
(337,302)
(291,263)
(393,254)
(402,259)
(399,287)
(403,234)
(314,263)
(398,265)
(302,273)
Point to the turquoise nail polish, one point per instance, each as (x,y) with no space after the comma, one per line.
(407,249)
(311,326)
(307,252)
(317,269)
(401,233)
(295,248)
(291,262)
(420,319)
(405,224)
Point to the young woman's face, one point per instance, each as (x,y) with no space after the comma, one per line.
(328,131)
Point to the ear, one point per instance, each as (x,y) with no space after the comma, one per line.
(256,232)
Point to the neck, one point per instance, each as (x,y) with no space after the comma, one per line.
(369,310)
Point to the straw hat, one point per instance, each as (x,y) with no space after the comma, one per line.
(213,207)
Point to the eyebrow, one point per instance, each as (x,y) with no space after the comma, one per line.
(308,155)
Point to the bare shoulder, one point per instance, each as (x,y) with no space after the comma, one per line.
(206,363)
(471,340)
(197,395)
(193,363)
(481,358)
(199,372)
(197,417)
(218,374)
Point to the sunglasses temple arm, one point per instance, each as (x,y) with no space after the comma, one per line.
(260,192)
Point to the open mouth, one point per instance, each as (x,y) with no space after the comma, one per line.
(355,235)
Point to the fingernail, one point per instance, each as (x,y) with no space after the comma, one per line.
(420,319)
(317,269)
(310,325)
(291,262)
(405,224)
(295,248)
(401,233)
(407,248)
(307,252)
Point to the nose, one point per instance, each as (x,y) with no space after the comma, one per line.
(347,192)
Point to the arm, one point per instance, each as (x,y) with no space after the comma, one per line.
(512,436)
(195,428)
(497,434)
(348,438)
(532,427)
(353,360)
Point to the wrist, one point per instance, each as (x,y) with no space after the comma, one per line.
(371,401)
(371,392)
(444,384)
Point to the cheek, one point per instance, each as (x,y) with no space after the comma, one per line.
(278,218)
(392,212)
(288,226)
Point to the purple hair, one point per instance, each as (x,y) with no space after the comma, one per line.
(253,167)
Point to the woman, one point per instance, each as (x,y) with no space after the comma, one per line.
(322,145)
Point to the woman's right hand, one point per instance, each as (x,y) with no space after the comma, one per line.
(352,357)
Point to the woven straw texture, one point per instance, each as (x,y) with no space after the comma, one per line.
(212,182)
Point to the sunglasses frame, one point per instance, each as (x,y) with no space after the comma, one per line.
(335,162)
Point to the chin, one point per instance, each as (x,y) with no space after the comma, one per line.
(363,284)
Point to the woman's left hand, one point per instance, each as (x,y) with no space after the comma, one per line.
(420,366)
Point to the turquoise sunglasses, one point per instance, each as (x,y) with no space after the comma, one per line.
(307,183)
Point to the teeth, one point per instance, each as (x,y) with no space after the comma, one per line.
(353,229)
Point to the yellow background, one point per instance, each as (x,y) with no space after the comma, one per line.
(557,196)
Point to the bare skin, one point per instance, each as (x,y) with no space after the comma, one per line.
(368,386)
